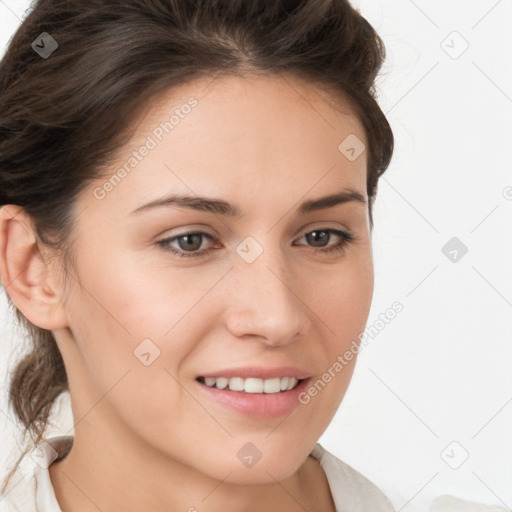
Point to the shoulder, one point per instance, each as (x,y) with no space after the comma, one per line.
(30,488)
(351,491)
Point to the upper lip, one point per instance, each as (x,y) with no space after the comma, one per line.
(260,372)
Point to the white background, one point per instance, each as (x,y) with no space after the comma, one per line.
(441,372)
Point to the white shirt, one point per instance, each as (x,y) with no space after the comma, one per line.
(31,490)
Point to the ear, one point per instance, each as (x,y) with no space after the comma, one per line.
(25,274)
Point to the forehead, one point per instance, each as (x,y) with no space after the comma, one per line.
(268,107)
(240,136)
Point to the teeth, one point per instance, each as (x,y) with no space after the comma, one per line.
(252,385)
(222,383)
(236,384)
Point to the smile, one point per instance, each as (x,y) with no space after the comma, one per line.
(251,384)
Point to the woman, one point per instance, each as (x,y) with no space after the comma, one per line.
(187,193)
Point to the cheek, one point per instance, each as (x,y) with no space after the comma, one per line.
(126,309)
(140,299)
(340,302)
(342,298)
(118,306)
(132,334)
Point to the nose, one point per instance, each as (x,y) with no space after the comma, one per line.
(265,301)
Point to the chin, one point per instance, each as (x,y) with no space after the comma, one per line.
(276,465)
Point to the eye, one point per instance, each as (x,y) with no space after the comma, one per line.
(323,236)
(189,243)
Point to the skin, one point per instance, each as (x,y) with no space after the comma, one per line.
(265,144)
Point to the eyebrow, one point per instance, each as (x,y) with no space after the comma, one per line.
(223,208)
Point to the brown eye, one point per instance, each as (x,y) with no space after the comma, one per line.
(188,244)
(319,238)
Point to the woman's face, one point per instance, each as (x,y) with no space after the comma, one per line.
(244,295)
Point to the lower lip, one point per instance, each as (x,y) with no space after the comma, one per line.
(257,405)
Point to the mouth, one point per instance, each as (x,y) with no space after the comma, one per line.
(254,397)
(252,385)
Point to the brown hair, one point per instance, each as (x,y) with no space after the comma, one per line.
(63,117)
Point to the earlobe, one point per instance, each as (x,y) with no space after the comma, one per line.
(24,272)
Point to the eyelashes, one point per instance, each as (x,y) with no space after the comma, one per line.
(192,238)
